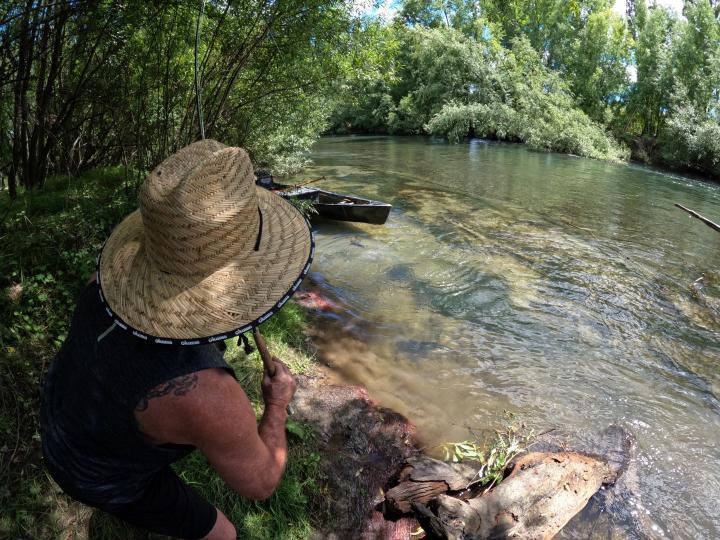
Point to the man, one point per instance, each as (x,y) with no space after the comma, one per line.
(140,381)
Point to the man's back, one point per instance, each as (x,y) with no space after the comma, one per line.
(102,374)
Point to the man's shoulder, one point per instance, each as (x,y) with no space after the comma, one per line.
(177,409)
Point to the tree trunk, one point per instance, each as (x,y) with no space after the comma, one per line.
(19,116)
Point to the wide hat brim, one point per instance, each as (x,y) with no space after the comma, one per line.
(192,310)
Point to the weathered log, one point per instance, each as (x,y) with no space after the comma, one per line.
(541,494)
(456,475)
(400,498)
(447,517)
(424,478)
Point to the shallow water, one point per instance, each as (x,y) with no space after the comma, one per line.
(554,287)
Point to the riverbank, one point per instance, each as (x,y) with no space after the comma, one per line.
(642,151)
(50,241)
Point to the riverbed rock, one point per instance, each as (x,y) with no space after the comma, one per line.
(361,446)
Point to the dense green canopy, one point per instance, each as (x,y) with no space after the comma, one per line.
(96,82)
(571,76)
(87,82)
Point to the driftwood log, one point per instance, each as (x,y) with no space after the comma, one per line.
(541,492)
(424,478)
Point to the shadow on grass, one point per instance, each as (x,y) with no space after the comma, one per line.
(104,526)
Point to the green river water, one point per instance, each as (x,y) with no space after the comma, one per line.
(554,287)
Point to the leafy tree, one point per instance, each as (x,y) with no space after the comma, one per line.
(361,101)
(691,140)
(100,82)
(650,98)
(536,108)
(696,58)
(597,68)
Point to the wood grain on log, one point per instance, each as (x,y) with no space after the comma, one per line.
(541,494)
(457,475)
(400,498)
(424,478)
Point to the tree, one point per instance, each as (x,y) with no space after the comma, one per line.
(650,99)
(94,82)
(697,55)
(596,69)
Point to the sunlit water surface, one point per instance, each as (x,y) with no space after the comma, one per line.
(554,287)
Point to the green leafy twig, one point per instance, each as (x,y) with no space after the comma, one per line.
(493,457)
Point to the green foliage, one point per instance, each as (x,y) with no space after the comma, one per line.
(284,515)
(493,456)
(696,60)
(51,239)
(304,206)
(564,76)
(109,83)
(688,140)
(650,97)
(361,102)
(451,85)
(595,65)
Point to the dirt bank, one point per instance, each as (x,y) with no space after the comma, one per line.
(361,446)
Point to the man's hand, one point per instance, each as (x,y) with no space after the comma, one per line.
(280,388)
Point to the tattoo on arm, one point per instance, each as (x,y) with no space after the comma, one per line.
(178,386)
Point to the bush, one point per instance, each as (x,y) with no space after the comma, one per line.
(448,84)
(688,141)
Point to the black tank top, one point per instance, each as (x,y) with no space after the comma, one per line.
(91,441)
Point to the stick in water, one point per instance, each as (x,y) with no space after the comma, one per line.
(705,220)
(264,353)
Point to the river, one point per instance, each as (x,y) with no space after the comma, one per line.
(557,288)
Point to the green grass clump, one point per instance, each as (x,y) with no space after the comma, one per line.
(284,515)
(493,455)
(50,241)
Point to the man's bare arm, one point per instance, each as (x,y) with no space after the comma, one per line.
(209,410)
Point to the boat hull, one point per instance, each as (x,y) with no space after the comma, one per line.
(375,214)
(339,207)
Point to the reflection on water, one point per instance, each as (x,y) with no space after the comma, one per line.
(558,288)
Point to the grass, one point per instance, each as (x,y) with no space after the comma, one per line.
(50,240)
(492,455)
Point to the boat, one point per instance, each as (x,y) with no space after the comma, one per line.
(341,207)
(330,205)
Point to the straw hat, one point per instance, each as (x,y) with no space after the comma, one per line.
(209,255)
